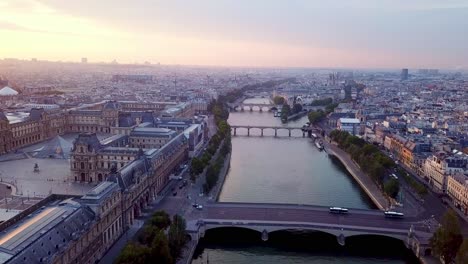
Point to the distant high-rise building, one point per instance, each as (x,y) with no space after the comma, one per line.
(404,74)
(34,60)
(84,60)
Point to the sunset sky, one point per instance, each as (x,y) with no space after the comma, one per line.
(272,33)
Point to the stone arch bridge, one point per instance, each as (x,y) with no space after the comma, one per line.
(267,218)
(304,130)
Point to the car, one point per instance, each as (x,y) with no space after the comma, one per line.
(195,205)
(393,214)
(338,210)
(200,207)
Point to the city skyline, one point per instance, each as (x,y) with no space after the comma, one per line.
(355,34)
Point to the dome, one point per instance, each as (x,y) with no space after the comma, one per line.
(7,91)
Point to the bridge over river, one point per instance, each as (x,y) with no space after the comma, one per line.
(266,218)
(251,106)
(304,130)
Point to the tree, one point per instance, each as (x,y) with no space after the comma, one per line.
(297,108)
(148,234)
(160,252)
(319,102)
(196,167)
(392,187)
(177,235)
(447,239)
(134,254)
(279,100)
(160,219)
(285,112)
(462,254)
(315,116)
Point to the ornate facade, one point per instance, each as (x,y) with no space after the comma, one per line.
(81,229)
(102,117)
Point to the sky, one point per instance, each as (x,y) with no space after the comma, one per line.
(254,33)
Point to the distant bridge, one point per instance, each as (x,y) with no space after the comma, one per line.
(267,218)
(275,128)
(251,107)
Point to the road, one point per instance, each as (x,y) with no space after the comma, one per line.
(425,207)
(315,214)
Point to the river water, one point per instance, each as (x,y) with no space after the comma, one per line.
(290,170)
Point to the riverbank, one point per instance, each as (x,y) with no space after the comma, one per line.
(222,177)
(369,187)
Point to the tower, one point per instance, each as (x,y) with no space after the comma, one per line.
(404,74)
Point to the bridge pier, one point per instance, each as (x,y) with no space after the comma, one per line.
(251,108)
(303,134)
(235,131)
(262,132)
(289,132)
(264,235)
(242,108)
(341,239)
(248,131)
(276,132)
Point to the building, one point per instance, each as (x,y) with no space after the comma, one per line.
(457,189)
(103,117)
(150,137)
(439,166)
(404,74)
(84,60)
(64,229)
(350,125)
(91,159)
(56,230)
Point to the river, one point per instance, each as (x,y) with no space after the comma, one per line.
(290,170)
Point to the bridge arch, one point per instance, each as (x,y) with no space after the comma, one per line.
(342,234)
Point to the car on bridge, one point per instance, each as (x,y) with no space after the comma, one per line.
(338,210)
(393,214)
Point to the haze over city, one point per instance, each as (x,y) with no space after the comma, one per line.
(234,131)
(264,33)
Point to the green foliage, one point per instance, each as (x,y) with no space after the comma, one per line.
(447,239)
(177,236)
(296,108)
(315,116)
(279,100)
(392,187)
(134,254)
(160,219)
(330,108)
(285,111)
(320,102)
(160,249)
(154,245)
(415,185)
(148,234)
(196,167)
(462,254)
(366,155)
